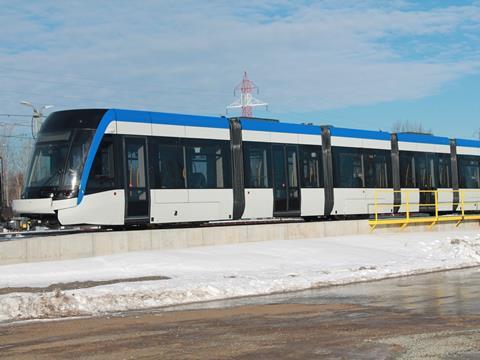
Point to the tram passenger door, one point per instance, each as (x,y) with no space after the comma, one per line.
(286,189)
(425,172)
(137,194)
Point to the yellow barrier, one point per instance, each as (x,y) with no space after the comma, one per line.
(404,215)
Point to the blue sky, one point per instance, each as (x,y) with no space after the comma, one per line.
(364,64)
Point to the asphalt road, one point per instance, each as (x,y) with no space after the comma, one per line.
(420,317)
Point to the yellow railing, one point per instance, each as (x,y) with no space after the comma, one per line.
(409,209)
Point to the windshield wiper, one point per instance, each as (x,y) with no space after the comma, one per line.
(55,174)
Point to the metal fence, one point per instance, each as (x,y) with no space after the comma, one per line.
(431,210)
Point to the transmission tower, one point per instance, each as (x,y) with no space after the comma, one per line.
(246,101)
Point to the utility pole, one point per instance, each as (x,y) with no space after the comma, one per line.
(37,116)
(246,101)
(4,176)
(1,185)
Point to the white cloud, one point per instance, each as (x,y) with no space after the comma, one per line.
(187,56)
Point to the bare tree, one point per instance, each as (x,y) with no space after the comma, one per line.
(407,126)
(15,152)
(18,159)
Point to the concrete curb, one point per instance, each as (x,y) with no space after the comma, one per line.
(74,246)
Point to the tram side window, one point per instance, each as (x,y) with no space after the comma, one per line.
(256,165)
(377,166)
(311,174)
(348,169)
(168,165)
(444,171)
(208,164)
(469,172)
(425,170)
(407,170)
(102,173)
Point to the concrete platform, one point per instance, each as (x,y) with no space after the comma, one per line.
(73,246)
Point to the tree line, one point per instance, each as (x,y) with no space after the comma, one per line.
(15,153)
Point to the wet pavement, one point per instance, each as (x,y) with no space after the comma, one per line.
(420,317)
(440,293)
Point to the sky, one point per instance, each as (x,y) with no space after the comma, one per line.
(361,64)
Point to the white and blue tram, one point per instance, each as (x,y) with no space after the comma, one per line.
(121,167)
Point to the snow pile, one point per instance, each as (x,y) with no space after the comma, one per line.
(465,247)
(217,272)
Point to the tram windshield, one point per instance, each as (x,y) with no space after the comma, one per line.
(58,159)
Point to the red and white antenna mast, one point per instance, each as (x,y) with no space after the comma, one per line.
(246,101)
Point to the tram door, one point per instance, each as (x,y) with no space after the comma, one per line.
(137,195)
(286,189)
(425,173)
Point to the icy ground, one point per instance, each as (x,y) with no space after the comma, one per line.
(216,272)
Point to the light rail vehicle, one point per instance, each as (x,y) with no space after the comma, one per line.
(115,167)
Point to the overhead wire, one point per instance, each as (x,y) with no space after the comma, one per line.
(6,124)
(28,147)
(16,137)
(15,115)
(15,125)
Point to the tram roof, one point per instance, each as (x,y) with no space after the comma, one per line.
(362,134)
(423,138)
(259,124)
(468,143)
(276,126)
(170,118)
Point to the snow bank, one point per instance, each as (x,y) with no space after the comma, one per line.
(217,272)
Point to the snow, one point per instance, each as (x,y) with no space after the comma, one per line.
(218,272)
